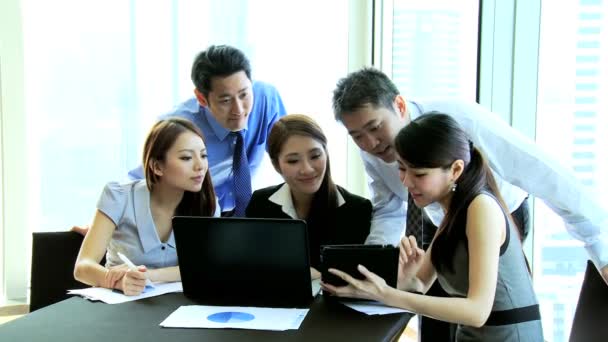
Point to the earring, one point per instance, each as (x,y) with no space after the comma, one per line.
(454,187)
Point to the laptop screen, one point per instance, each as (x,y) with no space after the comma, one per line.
(243,261)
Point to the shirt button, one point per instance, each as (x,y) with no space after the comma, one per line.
(163,248)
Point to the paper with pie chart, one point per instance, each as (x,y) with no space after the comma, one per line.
(239,317)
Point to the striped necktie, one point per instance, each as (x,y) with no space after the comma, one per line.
(242,176)
(414,221)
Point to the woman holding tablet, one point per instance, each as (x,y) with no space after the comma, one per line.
(476,254)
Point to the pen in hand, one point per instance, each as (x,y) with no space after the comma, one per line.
(132,266)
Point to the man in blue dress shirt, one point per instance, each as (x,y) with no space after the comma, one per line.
(227,103)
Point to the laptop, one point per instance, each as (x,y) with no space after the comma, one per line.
(244,261)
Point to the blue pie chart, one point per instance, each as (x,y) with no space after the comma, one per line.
(230,317)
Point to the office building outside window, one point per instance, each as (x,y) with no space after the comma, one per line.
(432,45)
(434,48)
(572,124)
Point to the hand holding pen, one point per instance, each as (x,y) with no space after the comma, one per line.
(135,280)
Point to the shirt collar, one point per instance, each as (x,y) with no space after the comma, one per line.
(220,132)
(143,219)
(283,198)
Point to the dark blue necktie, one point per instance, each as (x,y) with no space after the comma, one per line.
(419,224)
(242,177)
(414,219)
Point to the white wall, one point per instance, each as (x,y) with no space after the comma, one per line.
(14,240)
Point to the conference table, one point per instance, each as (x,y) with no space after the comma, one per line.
(78,319)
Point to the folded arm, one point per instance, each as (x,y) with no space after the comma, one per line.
(165,274)
(87,269)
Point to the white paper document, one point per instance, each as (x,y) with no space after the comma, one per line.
(239,317)
(116,297)
(372,308)
(316,287)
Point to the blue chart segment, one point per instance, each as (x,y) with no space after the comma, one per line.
(230,317)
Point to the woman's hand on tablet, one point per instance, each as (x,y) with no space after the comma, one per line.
(372,287)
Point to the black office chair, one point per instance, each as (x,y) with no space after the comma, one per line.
(53,259)
(590,321)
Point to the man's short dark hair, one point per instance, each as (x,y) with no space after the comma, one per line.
(368,86)
(217,61)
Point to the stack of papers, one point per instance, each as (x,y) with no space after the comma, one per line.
(372,307)
(239,317)
(115,297)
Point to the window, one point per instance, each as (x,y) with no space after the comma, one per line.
(98,74)
(572,124)
(434,48)
(430,49)
(92,93)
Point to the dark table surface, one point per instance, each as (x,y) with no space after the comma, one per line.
(78,319)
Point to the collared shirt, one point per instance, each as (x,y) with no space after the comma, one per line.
(266,110)
(517,163)
(283,198)
(128,206)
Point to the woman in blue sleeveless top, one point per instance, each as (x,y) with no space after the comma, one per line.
(476,254)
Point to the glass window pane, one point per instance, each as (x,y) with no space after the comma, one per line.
(80,105)
(434,48)
(98,74)
(572,124)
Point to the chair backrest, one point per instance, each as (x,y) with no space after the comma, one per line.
(53,259)
(590,321)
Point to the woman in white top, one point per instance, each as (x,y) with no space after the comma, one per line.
(134,218)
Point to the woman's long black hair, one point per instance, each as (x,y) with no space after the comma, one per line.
(325,200)
(435,140)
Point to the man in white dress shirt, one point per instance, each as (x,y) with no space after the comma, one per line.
(369,105)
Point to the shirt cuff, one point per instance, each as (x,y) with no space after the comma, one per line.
(598,250)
